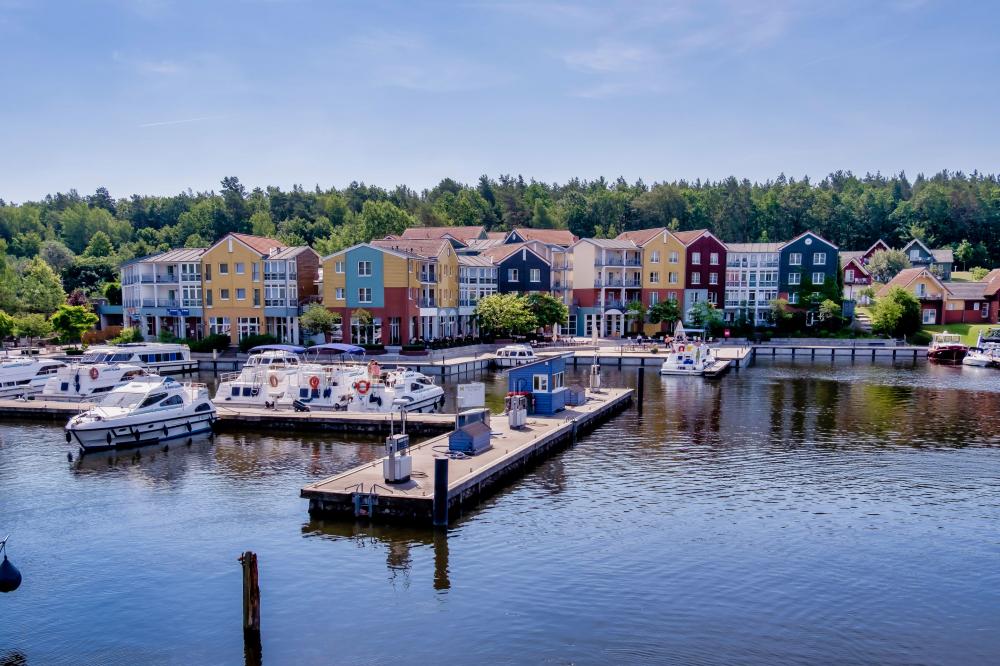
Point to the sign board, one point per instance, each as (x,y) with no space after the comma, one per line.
(178,313)
(471,395)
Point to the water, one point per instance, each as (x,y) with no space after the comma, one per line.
(794,513)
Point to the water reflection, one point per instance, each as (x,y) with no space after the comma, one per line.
(156,465)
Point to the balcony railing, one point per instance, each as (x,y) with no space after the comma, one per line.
(609,261)
(930,297)
(160,303)
(632,282)
(608,282)
(427,276)
(614,305)
(166,278)
(633,262)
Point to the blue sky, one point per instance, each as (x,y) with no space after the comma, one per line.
(157,96)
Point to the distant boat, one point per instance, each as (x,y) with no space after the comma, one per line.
(161,357)
(394,390)
(688,359)
(81,382)
(946,348)
(26,375)
(514,355)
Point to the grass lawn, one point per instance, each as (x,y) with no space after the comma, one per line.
(969,332)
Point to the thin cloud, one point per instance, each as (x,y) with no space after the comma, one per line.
(180,121)
(609,58)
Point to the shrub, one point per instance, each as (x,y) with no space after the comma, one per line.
(420,346)
(127,335)
(215,342)
(251,341)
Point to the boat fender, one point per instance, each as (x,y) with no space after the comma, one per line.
(166,431)
(10,577)
(189,427)
(94,373)
(69,437)
(107,437)
(136,435)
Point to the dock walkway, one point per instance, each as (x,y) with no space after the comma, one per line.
(363,492)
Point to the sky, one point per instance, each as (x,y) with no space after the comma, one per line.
(159,96)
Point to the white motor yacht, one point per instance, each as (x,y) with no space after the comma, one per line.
(147,410)
(264,378)
(978,357)
(688,359)
(22,376)
(394,389)
(159,357)
(514,355)
(84,382)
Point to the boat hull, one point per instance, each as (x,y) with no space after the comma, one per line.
(947,354)
(106,438)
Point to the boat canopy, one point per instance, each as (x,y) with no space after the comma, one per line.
(294,349)
(337,348)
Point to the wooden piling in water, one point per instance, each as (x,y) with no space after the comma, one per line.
(640,387)
(251,594)
(440,492)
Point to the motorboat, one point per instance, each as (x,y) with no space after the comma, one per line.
(946,348)
(322,386)
(688,359)
(21,376)
(83,382)
(393,390)
(160,357)
(979,357)
(147,410)
(514,355)
(263,379)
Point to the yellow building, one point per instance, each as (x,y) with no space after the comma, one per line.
(663,264)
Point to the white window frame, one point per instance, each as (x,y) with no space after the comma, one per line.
(713,278)
(338,293)
(795,259)
(929,320)
(793,298)
(695,278)
(540,382)
(696,258)
(818,277)
(513,275)
(362,294)
(795,278)
(534,275)
(364,268)
(240,268)
(819,258)
(654,277)
(244,292)
(338,267)
(713,259)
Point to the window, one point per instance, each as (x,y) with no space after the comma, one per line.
(818,278)
(819,258)
(364,269)
(713,259)
(208,272)
(512,275)
(713,278)
(365,295)
(338,267)
(795,259)
(240,268)
(674,258)
(929,316)
(696,258)
(849,275)
(672,277)
(654,257)
(672,296)
(540,382)
(975,306)
(208,297)
(338,293)
(915,256)
(795,278)
(558,380)
(218,325)
(172,400)
(152,400)
(255,272)
(713,298)
(793,298)
(223,269)
(247,326)
(921,290)
(241,294)
(654,277)
(224,294)
(535,275)
(654,298)
(695,278)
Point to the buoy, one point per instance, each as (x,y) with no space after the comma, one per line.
(10,577)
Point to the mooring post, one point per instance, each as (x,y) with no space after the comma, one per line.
(251,594)
(440,492)
(640,387)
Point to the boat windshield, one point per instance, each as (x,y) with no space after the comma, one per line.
(948,339)
(94,357)
(123,399)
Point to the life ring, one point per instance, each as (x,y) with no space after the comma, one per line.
(680,348)
(314,382)
(363,386)
(373,369)
(273,380)
(94,373)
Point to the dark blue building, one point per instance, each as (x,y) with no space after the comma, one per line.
(520,269)
(545,380)
(807,262)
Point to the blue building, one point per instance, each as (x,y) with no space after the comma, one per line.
(520,269)
(808,262)
(545,380)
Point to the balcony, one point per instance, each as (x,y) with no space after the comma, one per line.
(427,276)
(166,278)
(160,303)
(609,261)
(614,305)
(609,282)
(276,277)
(427,302)
(468,302)
(633,262)
(930,297)
(632,282)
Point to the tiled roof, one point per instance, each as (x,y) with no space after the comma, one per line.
(496,235)
(259,243)
(501,252)
(754,247)
(903,278)
(290,252)
(992,281)
(845,257)
(422,248)
(612,243)
(178,255)
(944,255)
(485,244)
(464,234)
(688,237)
(474,260)
(555,236)
(969,291)
(641,236)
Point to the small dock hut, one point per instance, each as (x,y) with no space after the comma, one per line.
(544,381)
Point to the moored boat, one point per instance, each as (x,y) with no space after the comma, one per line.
(160,357)
(946,348)
(22,376)
(688,359)
(514,355)
(83,382)
(393,390)
(263,379)
(980,358)
(147,410)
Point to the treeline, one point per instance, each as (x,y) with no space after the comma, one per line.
(80,237)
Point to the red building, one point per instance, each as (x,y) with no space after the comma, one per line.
(705,269)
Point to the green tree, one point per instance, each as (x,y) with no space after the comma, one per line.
(964,252)
(99,246)
(113,292)
(379,219)
(666,312)
(262,225)
(317,319)
(89,273)
(705,315)
(897,313)
(56,255)
(635,315)
(781,313)
(541,217)
(72,321)
(885,264)
(196,241)
(7,325)
(41,290)
(32,326)
(978,273)
(505,314)
(548,310)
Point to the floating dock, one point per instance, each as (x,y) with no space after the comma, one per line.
(363,492)
(737,357)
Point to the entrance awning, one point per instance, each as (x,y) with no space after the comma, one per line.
(613,311)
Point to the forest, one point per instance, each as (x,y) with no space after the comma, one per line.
(83,238)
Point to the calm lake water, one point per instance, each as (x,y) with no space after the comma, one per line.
(793,513)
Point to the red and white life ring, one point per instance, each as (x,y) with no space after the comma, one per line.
(363,386)
(680,348)
(94,373)
(314,382)
(273,380)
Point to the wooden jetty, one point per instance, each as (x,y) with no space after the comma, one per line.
(737,357)
(853,352)
(426,497)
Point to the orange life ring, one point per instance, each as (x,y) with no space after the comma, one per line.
(273,381)
(680,348)
(94,373)
(363,386)
(314,382)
